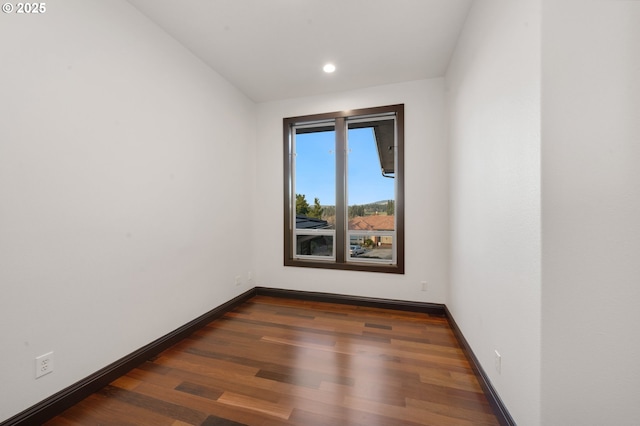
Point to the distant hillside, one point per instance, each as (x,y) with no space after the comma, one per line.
(378,207)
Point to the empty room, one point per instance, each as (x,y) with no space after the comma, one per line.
(320,212)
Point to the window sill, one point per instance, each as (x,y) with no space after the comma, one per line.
(350,266)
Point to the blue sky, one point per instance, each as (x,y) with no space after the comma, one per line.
(315,168)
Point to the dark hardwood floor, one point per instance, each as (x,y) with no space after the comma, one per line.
(275,361)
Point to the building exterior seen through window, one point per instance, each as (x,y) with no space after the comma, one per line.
(343,190)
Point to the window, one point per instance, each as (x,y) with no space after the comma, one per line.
(343,190)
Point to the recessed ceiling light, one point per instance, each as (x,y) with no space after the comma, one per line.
(329,68)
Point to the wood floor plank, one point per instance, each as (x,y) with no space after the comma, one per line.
(275,361)
(478,417)
(254,404)
(98,409)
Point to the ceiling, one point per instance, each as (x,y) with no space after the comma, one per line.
(275,49)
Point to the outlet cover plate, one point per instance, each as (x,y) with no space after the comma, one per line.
(44,364)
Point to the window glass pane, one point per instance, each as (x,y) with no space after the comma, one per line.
(371,245)
(314,245)
(370,179)
(315,178)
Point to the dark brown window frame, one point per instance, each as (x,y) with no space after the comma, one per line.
(289,198)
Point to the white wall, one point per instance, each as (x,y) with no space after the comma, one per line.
(493,85)
(425,196)
(126,169)
(591,213)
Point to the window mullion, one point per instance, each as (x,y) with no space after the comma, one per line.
(289,214)
(341,188)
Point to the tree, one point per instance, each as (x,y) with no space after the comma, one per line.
(391,207)
(302,206)
(355,211)
(329,211)
(316,210)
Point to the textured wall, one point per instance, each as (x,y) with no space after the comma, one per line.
(493,86)
(126,171)
(591,213)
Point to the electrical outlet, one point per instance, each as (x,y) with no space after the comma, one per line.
(44,364)
(498,361)
(424,285)
(238,280)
